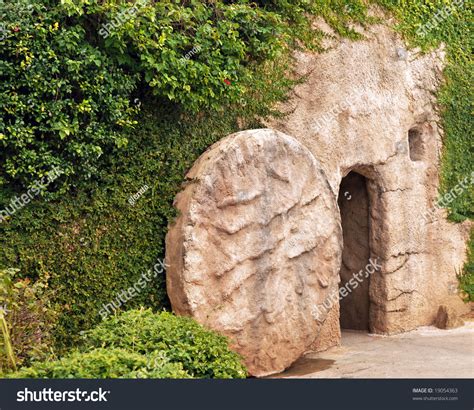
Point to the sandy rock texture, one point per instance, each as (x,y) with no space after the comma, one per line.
(447,318)
(369,107)
(256,246)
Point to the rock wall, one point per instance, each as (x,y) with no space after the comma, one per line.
(370,107)
(256,250)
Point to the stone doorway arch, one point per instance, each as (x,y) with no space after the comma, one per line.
(362,218)
(353,201)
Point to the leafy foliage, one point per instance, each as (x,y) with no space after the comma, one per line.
(29,315)
(93,244)
(104,363)
(68,69)
(466,278)
(155,39)
(143,344)
(203,354)
(63,102)
(227,37)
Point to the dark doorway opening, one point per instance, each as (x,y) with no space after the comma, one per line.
(353,203)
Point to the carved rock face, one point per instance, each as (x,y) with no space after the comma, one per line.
(256,247)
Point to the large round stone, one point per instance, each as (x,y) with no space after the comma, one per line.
(256,247)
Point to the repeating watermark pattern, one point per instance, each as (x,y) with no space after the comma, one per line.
(319,311)
(437,19)
(18,202)
(137,103)
(124,296)
(430,214)
(121,18)
(334,111)
(192,52)
(350,100)
(135,197)
(152,364)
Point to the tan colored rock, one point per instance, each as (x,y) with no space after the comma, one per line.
(369,108)
(256,247)
(447,318)
(330,332)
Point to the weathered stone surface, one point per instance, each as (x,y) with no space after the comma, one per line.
(250,259)
(367,108)
(447,318)
(257,246)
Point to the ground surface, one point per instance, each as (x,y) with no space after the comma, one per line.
(427,352)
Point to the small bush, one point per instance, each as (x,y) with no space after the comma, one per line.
(143,344)
(105,363)
(203,353)
(29,318)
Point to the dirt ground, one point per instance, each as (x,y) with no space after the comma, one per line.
(427,352)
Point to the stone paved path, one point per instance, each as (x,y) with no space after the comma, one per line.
(427,352)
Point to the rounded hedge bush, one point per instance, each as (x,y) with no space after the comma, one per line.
(202,353)
(143,344)
(105,363)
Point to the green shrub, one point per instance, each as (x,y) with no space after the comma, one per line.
(105,363)
(203,353)
(224,38)
(28,318)
(92,244)
(63,101)
(199,53)
(68,69)
(143,344)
